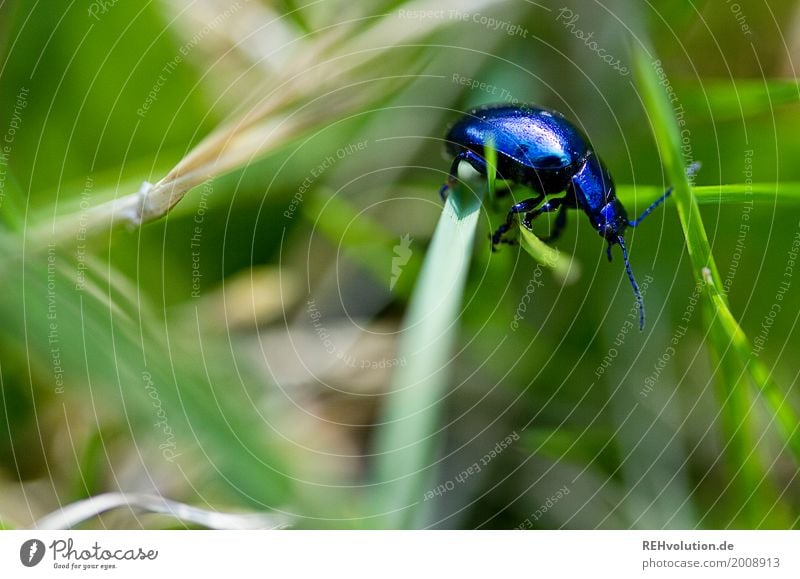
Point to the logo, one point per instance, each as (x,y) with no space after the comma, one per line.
(402,253)
(31,552)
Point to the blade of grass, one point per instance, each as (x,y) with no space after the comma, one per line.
(81,511)
(737,99)
(784,414)
(566,269)
(750,476)
(491,166)
(407,438)
(207,413)
(784,193)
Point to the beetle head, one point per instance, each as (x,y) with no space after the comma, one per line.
(612,221)
(594,190)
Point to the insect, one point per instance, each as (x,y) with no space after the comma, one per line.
(540,149)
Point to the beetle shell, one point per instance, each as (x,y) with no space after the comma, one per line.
(535,146)
(541,149)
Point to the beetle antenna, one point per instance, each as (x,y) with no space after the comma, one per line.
(608,252)
(690,171)
(636,291)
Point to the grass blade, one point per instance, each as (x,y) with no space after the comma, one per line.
(566,269)
(407,438)
(78,512)
(727,342)
(784,193)
(741,98)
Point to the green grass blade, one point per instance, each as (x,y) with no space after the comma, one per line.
(727,343)
(786,418)
(407,438)
(566,269)
(491,166)
(784,193)
(363,239)
(742,98)
(669,143)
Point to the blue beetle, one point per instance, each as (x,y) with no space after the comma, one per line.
(540,149)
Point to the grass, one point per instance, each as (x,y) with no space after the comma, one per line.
(715,445)
(731,351)
(410,428)
(733,193)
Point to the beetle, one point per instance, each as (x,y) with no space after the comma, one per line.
(541,149)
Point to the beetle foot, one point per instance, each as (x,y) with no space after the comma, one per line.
(495,240)
(449,184)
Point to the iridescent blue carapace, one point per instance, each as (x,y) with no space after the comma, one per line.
(541,149)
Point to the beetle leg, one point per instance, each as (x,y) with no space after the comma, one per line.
(558,226)
(548,207)
(470,157)
(521,207)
